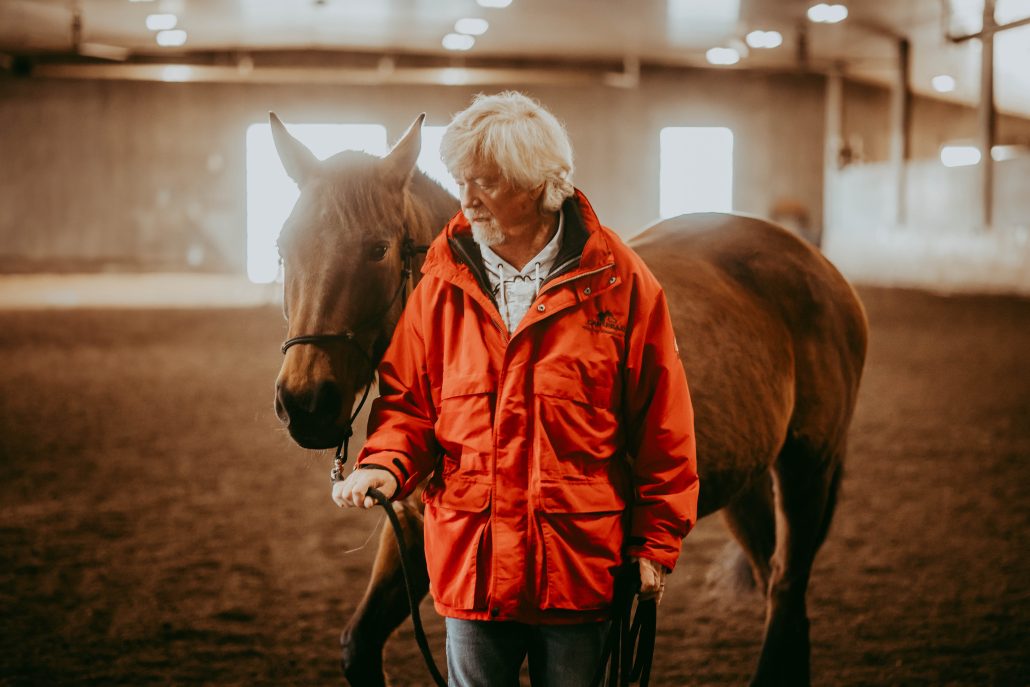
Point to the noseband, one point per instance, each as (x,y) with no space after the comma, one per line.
(349,336)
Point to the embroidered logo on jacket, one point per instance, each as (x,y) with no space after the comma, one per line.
(605,322)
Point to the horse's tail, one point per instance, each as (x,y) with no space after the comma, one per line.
(731,571)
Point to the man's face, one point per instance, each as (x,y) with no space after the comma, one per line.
(493,206)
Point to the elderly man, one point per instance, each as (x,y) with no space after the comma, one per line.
(534,379)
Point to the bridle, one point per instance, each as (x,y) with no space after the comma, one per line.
(349,336)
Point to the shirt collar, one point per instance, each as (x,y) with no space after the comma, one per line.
(545,257)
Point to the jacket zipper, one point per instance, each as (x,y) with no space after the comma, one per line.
(563,268)
(469,262)
(552,284)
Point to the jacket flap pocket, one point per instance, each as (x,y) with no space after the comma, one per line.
(464,495)
(580,497)
(562,384)
(465,385)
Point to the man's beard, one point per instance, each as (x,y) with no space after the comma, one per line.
(486,232)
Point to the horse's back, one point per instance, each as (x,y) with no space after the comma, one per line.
(772,338)
(760,258)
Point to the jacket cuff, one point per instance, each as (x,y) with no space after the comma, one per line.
(398,465)
(644,548)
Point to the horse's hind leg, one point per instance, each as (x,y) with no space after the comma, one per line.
(805,481)
(751,518)
(385,604)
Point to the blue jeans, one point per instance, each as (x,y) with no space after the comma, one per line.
(490,653)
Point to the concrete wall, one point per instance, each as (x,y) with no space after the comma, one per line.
(102,174)
(942,245)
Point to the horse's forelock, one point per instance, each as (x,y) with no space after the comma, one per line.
(356,198)
(356,193)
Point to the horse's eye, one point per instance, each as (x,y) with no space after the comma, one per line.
(378,251)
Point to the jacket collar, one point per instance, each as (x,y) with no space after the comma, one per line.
(454,255)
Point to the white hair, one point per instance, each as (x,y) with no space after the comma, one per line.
(517,134)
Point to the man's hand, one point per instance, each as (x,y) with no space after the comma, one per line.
(652,579)
(353,491)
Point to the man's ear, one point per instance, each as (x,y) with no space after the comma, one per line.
(539,195)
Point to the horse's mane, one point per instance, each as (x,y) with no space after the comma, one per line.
(429,206)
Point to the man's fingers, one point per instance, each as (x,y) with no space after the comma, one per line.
(652,580)
(353,491)
(656,593)
(338,494)
(649,578)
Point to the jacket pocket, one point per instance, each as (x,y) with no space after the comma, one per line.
(576,430)
(464,422)
(582,525)
(457,542)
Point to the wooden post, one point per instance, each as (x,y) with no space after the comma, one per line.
(901,117)
(986,113)
(832,144)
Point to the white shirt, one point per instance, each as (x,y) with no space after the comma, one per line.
(515,290)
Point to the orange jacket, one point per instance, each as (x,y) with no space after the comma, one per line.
(555,451)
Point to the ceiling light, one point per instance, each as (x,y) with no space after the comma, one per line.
(824,13)
(764,39)
(1008,152)
(458,41)
(943,83)
(722,56)
(471,26)
(493,3)
(171,38)
(161,22)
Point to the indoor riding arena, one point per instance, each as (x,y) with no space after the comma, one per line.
(162,523)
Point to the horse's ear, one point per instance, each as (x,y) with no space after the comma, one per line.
(401,160)
(299,162)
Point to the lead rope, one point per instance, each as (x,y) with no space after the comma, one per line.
(408,252)
(336,474)
(409,249)
(629,647)
(406,567)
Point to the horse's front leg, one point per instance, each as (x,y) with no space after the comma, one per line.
(385,604)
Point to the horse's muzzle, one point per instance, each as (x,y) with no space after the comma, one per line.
(311,416)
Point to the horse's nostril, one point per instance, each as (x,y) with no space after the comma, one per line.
(280,407)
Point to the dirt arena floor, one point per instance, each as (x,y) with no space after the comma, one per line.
(158,527)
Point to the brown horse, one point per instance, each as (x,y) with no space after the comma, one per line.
(773,340)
